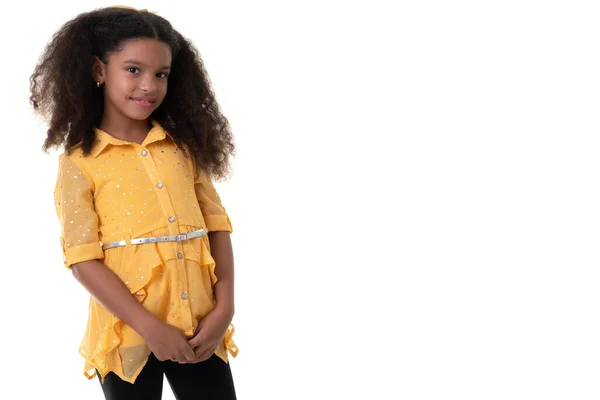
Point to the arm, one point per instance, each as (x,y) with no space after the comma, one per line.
(221,250)
(164,340)
(219,227)
(110,291)
(74,200)
(213,327)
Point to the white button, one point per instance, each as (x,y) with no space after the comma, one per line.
(179,255)
(184,296)
(160,185)
(144,153)
(171,219)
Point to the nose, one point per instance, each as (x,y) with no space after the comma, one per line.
(148,83)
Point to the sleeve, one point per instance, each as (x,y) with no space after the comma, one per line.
(73,199)
(212,209)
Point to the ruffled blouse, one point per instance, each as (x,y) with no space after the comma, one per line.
(125,190)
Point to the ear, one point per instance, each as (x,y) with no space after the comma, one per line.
(98,70)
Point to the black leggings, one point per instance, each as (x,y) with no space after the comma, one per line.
(207,380)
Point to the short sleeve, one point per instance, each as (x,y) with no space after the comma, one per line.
(73,199)
(212,209)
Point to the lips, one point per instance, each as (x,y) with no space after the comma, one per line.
(144,102)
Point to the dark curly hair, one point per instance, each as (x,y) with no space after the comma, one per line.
(64,91)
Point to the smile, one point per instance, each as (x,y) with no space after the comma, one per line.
(143,103)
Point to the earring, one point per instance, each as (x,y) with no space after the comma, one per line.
(98,83)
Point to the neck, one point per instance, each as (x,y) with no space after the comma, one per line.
(126,129)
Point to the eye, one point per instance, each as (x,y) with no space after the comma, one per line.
(162,75)
(133,70)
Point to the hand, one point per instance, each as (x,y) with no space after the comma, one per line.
(209,333)
(167,342)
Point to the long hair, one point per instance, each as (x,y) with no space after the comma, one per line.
(64,91)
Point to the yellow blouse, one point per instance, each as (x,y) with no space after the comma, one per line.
(125,190)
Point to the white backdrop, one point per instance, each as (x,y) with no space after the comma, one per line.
(415,199)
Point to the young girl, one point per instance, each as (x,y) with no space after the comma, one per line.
(143,229)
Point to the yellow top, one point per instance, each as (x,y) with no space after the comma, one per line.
(125,190)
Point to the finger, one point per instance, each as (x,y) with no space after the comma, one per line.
(198,351)
(186,355)
(195,341)
(195,358)
(189,353)
(207,353)
(205,356)
(179,357)
(200,359)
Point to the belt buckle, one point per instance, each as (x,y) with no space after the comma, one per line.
(182,237)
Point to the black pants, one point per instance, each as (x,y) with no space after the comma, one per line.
(207,380)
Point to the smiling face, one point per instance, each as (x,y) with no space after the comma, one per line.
(135,79)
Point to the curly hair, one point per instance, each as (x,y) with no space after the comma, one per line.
(64,92)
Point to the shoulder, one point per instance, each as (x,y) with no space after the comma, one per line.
(74,150)
(69,157)
(75,154)
(72,160)
(71,153)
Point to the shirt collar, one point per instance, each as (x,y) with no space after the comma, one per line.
(104,139)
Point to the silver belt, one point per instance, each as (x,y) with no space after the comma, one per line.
(182,237)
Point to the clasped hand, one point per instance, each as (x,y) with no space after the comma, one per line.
(169,343)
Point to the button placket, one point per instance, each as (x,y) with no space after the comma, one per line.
(182,289)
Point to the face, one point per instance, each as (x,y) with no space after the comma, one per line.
(135,78)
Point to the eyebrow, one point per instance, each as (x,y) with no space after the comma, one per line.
(140,63)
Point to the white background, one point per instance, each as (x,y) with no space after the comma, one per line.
(415,199)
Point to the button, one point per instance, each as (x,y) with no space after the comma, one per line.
(160,185)
(144,153)
(179,255)
(184,296)
(171,219)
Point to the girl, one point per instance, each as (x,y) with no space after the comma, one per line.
(143,229)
